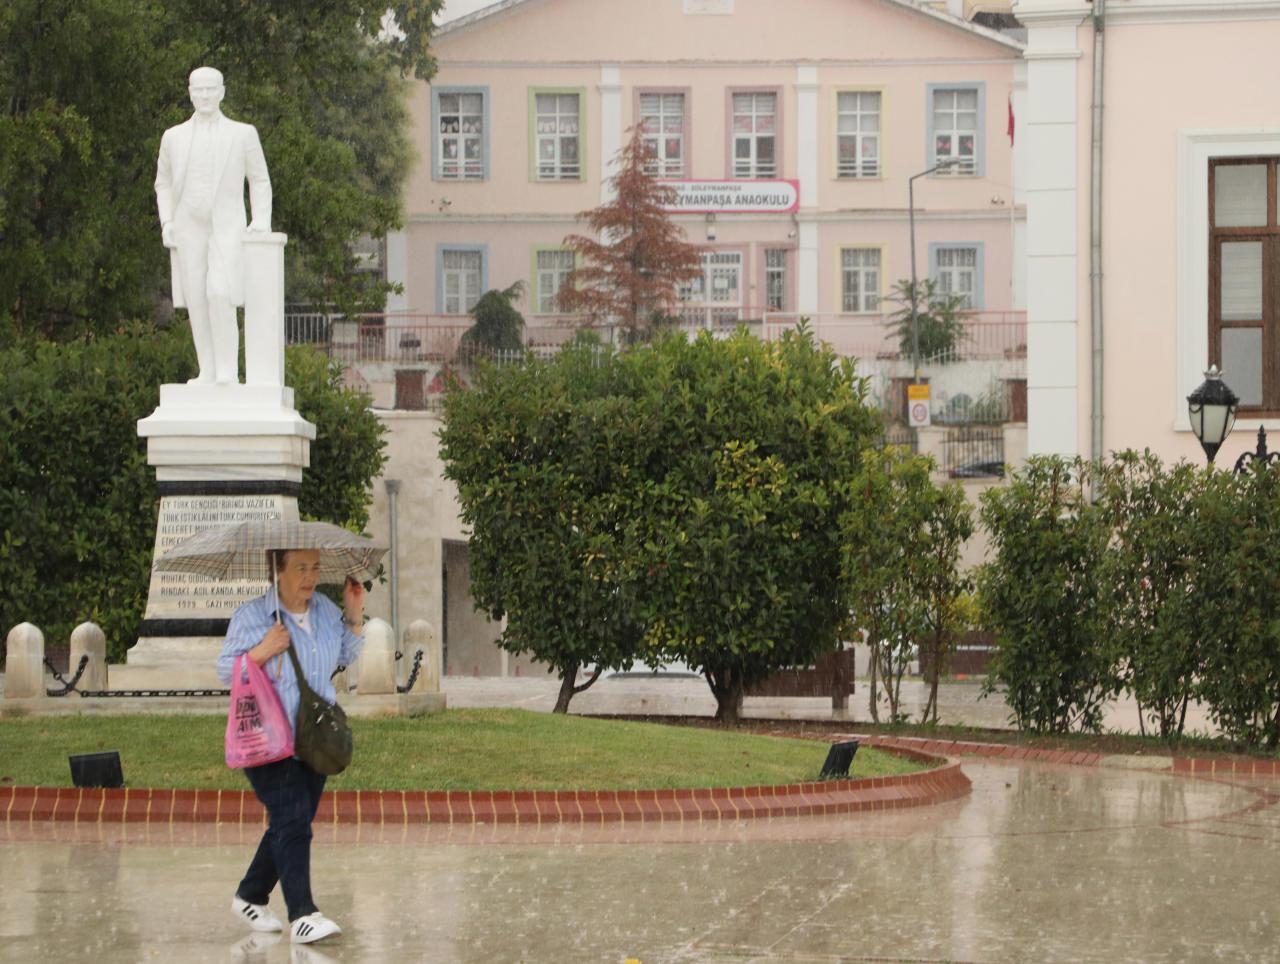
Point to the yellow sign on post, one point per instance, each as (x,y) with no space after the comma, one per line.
(918,406)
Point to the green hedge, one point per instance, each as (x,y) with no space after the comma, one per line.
(1132,576)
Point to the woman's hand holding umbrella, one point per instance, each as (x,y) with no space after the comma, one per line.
(275,642)
(353,603)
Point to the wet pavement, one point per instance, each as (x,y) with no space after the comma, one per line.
(1041,862)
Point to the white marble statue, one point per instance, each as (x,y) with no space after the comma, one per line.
(200,177)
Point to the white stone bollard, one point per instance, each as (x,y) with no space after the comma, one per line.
(87,639)
(24,663)
(377,673)
(421,635)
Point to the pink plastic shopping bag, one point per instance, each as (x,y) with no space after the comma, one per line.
(257,730)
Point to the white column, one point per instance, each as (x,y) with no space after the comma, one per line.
(398,270)
(264,308)
(610,88)
(807,269)
(1055,122)
(806,126)
(807,135)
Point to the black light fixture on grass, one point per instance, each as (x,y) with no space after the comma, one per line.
(839,759)
(1212,408)
(97,770)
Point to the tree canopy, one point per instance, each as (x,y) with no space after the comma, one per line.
(631,270)
(89,86)
(677,501)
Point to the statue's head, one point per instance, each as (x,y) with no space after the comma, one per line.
(206,90)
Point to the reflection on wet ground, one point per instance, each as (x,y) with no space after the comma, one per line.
(1039,863)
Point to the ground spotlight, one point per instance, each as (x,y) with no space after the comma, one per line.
(97,770)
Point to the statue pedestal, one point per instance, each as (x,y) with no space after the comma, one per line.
(223,454)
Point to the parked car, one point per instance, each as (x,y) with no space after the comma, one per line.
(978,470)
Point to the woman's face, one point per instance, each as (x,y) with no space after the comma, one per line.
(297,580)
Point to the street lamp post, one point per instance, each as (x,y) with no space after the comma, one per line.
(1212,409)
(911,222)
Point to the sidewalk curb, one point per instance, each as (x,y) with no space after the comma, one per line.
(375,807)
(1205,766)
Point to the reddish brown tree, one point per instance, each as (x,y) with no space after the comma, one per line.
(631,275)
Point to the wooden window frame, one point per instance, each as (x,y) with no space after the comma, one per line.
(1269,236)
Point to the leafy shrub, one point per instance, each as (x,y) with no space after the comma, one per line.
(1041,594)
(937,320)
(1151,576)
(1236,536)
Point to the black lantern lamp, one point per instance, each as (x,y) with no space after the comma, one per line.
(1212,408)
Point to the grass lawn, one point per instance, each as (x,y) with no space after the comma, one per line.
(455,750)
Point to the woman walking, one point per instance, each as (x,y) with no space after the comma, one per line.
(323,637)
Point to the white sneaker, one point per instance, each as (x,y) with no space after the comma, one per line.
(311,928)
(257,916)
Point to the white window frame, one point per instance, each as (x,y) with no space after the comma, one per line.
(464,301)
(750,167)
(864,300)
(976,166)
(949,277)
(459,168)
(557,168)
(775,275)
(548,281)
(703,290)
(859,168)
(660,139)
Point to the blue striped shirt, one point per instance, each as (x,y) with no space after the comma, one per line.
(329,644)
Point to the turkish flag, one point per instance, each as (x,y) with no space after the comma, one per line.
(1010,120)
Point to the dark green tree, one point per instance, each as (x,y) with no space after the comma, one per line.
(733,536)
(544,455)
(499,325)
(88,86)
(937,318)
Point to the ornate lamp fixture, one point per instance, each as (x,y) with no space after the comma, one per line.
(1212,408)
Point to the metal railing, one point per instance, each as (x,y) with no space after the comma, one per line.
(986,335)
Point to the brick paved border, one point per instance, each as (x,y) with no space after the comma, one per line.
(953,748)
(1214,765)
(1207,766)
(93,806)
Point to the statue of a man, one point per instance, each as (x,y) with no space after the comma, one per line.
(200,177)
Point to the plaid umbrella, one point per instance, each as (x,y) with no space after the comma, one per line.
(240,551)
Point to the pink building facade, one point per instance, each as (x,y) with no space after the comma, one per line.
(1188,232)
(813,113)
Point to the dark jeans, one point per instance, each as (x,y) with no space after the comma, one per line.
(290,790)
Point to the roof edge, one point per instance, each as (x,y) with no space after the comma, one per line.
(505,6)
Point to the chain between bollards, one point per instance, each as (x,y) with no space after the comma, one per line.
(67,687)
